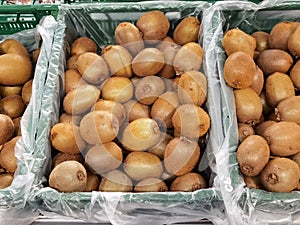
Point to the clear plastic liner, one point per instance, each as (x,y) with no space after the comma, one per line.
(244,205)
(98,22)
(13,207)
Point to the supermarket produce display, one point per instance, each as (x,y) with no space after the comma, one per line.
(150,112)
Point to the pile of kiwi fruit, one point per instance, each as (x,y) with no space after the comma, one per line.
(14,98)
(263,68)
(133,117)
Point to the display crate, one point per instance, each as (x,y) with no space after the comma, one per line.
(98,22)
(253,206)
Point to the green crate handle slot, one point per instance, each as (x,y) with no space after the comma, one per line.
(14,18)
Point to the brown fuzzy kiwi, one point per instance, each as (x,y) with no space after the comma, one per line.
(68,176)
(280,175)
(141,134)
(148,89)
(8,160)
(10,90)
(245,130)
(283,138)
(289,109)
(151,185)
(294,43)
(17,125)
(258,81)
(119,89)
(248,106)
(267,108)
(253,182)
(102,158)
(5,180)
(280,34)
(93,182)
(82,45)
(261,38)
(168,70)
(99,127)
(154,25)
(148,62)
(237,40)
(188,182)
(118,60)
(239,70)
(116,181)
(252,155)
(62,157)
(278,86)
(65,137)
(261,127)
(192,88)
(187,30)
(68,118)
(274,60)
(7,128)
(142,165)
(295,74)
(164,108)
(73,79)
(181,156)
(136,110)
(13,106)
(159,148)
(72,62)
(296,158)
(27,91)
(192,121)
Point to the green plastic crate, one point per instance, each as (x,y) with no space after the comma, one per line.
(98,21)
(244,204)
(15,18)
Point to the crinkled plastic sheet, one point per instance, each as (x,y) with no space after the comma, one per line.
(244,205)
(98,21)
(13,207)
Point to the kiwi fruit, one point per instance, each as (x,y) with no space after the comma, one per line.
(129,36)
(261,127)
(168,70)
(295,74)
(192,88)
(159,148)
(10,90)
(81,99)
(65,137)
(258,81)
(141,134)
(181,156)
(252,155)
(164,108)
(148,89)
(68,176)
(154,25)
(13,106)
(103,158)
(27,91)
(83,44)
(296,158)
(248,106)
(289,109)
(150,184)
(294,43)
(99,127)
(267,108)
(188,182)
(136,110)
(73,79)
(244,131)
(92,67)
(5,180)
(235,40)
(192,121)
(68,118)
(62,157)
(72,62)
(113,107)
(253,182)
(142,165)
(92,183)
(278,87)
(261,38)
(118,89)
(148,62)
(280,175)
(274,60)
(280,34)
(239,70)
(187,30)
(8,160)
(118,60)
(116,181)
(188,57)
(7,128)
(17,125)
(283,138)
